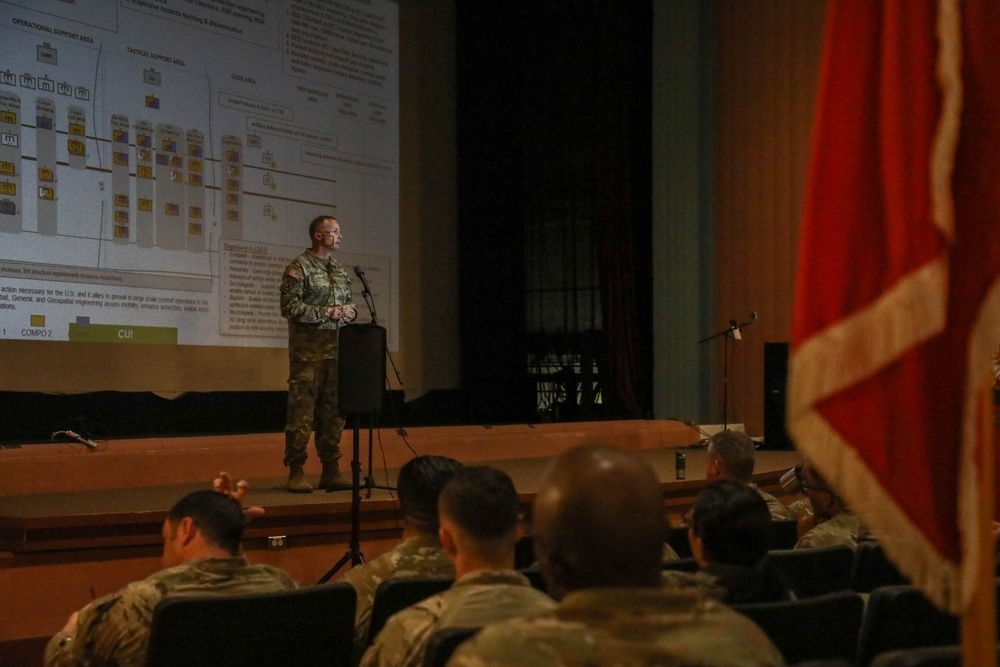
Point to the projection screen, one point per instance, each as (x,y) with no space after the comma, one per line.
(160,161)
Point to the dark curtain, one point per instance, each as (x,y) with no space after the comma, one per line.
(624,207)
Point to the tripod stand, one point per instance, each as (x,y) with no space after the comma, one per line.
(353,553)
(732,331)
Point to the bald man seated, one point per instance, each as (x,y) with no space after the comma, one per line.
(599,526)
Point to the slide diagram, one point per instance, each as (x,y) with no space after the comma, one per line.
(160,161)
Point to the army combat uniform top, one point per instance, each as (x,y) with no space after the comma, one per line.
(310,287)
(624,626)
(419,556)
(778,511)
(843,528)
(114,629)
(474,600)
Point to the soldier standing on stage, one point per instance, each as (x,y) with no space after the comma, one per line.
(316,301)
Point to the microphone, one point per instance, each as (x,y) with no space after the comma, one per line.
(76,436)
(360,273)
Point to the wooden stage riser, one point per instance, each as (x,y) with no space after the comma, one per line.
(60,467)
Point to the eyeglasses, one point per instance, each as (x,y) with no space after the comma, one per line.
(331,233)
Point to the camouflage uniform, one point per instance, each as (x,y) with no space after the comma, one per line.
(309,288)
(624,626)
(114,629)
(844,528)
(778,511)
(474,600)
(420,556)
(707,584)
(800,509)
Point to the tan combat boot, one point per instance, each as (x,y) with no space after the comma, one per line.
(297,479)
(332,479)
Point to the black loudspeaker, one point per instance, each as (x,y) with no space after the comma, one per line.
(361,368)
(775,382)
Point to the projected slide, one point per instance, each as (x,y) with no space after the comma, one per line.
(160,161)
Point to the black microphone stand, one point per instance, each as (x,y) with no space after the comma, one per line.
(732,331)
(353,553)
(366,294)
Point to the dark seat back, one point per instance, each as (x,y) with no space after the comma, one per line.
(784,534)
(682,565)
(872,568)
(816,628)
(928,656)
(900,617)
(536,578)
(443,643)
(398,593)
(678,540)
(308,626)
(812,572)
(524,552)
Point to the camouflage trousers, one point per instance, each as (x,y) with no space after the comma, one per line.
(313,401)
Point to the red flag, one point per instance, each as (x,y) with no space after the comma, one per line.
(897,304)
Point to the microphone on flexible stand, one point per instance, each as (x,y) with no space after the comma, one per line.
(360,273)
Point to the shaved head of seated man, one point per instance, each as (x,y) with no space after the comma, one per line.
(599,526)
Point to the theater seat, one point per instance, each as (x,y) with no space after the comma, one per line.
(928,656)
(818,628)
(900,617)
(812,572)
(308,626)
(443,643)
(396,594)
(872,568)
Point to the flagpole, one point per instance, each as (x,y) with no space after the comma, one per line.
(979,639)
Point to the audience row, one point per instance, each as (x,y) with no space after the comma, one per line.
(598,525)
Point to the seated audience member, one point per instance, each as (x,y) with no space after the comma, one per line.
(599,527)
(729,534)
(830,523)
(202,556)
(419,554)
(479,528)
(731,455)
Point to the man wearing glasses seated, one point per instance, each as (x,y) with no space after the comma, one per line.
(831,522)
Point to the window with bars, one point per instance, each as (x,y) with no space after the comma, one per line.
(563,310)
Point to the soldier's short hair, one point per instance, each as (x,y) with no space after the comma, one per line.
(735,451)
(317,222)
(419,484)
(733,523)
(482,501)
(218,517)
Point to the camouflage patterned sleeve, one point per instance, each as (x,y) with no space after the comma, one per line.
(59,650)
(403,640)
(840,530)
(111,630)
